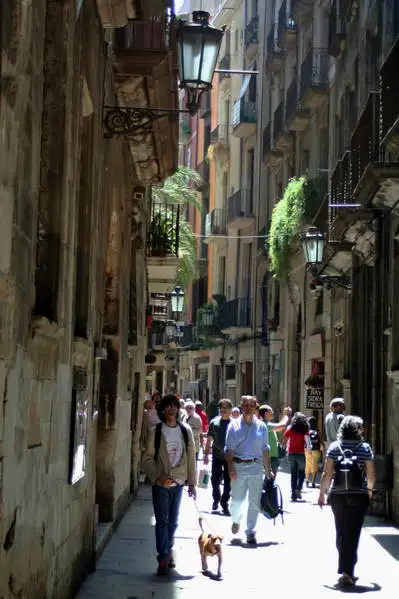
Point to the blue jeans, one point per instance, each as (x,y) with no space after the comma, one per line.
(249,481)
(166,504)
(297,467)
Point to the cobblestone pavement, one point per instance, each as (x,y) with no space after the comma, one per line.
(298,557)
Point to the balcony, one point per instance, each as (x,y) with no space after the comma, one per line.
(349,9)
(140,47)
(203,170)
(302,8)
(162,248)
(336,30)
(340,194)
(283,140)
(313,92)
(244,118)
(224,63)
(251,37)
(275,55)
(190,339)
(296,117)
(271,157)
(157,342)
(287,28)
(389,100)
(216,226)
(240,209)
(236,317)
(374,179)
(220,139)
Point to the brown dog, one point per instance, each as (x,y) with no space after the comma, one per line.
(210,544)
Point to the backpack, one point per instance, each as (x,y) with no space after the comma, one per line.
(157,440)
(314,440)
(348,472)
(271,503)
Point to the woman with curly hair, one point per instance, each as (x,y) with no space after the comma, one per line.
(295,438)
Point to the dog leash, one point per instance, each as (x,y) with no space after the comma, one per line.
(202,516)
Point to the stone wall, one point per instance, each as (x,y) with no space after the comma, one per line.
(57,72)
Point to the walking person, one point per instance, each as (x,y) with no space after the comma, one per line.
(247,455)
(295,436)
(215,441)
(333,419)
(169,461)
(266,414)
(195,422)
(349,494)
(313,454)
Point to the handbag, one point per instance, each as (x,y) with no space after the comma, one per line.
(203,478)
(281,451)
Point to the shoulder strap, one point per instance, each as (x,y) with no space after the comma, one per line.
(157,440)
(185,434)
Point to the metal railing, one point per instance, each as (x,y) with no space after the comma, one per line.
(163,233)
(278,121)
(224,63)
(272,42)
(236,313)
(267,140)
(291,100)
(390,91)
(314,71)
(285,21)
(157,340)
(340,190)
(221,134)
(142,36)
(203,169)
(251,32)
(243,112)
(240,205)
(216,222)
(365,140)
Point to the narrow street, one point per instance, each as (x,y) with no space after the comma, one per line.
(295,559)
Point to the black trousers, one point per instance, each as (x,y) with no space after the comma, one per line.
(219,471)
(349,513)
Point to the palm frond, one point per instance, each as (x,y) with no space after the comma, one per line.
(180,188)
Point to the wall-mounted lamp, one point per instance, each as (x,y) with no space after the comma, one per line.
(313,244)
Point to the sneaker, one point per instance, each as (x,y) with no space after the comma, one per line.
(293,497)
(215,506)
(313,485)
(163,569)
(298,494)
(226,511)
(251,539)
(346,581)
(171,562)
(235,527)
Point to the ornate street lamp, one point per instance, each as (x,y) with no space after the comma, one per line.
(198,46)
(177,300)
(313,243)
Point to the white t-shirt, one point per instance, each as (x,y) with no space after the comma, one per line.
(174,442)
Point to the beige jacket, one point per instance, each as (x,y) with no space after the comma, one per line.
(185,470)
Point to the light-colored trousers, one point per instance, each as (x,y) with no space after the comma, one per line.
(249,482)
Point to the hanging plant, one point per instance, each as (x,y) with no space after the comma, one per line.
(300,201)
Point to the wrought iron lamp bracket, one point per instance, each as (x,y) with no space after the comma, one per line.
(135,121)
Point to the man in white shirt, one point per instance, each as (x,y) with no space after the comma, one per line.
(333,419)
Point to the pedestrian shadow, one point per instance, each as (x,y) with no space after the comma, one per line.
(240,543)
(211,575)
(356,588)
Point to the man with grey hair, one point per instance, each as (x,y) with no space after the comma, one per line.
(195,422)
(333,419)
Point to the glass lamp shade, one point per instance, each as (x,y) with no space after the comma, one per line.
(177,300)
(208,317)
(198,46)
(313,243)
(170,328)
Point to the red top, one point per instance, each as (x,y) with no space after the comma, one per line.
(204,418)
(296,441)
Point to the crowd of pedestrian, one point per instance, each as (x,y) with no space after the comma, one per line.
(246,448)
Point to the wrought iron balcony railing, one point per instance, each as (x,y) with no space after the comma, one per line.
(243,112)
(221,134)
(240,205)
(365,140)
(236,313)
(272,42)
(390,92)
(278,121)
(163,234)
(251,32)
(216,222)
(267,139)
(314,71)
(142,36)
(340,193)
(224,63)
(285,21)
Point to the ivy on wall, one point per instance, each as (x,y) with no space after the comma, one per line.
(300,201)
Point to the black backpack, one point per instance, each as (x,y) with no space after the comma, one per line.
(315,440)
(348,472)
(271,502)
(157,440)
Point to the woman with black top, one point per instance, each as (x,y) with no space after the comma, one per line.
(349,468)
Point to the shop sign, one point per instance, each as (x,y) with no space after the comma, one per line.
(315,399)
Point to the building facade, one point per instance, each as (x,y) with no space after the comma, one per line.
(75,252)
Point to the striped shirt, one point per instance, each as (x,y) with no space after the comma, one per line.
(364,454)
